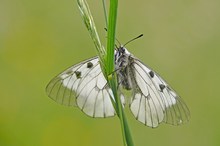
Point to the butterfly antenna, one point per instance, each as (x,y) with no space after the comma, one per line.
(133,39)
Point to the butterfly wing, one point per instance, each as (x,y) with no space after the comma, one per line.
(85,85)
(153,100)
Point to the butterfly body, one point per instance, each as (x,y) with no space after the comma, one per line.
(153,101)
(123,60)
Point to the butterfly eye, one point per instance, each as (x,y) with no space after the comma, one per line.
(122,49)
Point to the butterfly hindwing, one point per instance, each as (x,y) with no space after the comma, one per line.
(85,85)
(153,100)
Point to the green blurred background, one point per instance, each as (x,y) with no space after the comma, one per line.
(40,38)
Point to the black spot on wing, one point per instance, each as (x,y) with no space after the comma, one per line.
(78,74)
(151,73)
(89,65)
(162,86)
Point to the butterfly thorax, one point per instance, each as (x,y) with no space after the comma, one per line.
(122,67)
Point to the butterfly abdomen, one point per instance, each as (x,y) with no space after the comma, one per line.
(124,78)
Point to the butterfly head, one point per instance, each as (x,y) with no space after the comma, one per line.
(121,51)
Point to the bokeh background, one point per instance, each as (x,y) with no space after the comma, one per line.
(40,38)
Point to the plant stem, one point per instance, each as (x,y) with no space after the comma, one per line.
(105,13)
(111,35)
(110,69)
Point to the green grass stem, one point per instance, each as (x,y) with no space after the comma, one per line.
(127,138)
(105,13)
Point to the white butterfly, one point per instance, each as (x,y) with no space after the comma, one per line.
(152,102)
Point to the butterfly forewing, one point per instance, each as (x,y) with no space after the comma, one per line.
(85,85)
